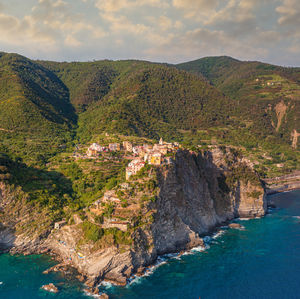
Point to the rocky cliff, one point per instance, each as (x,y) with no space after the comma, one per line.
(196,193)
(201,191)
(283,183)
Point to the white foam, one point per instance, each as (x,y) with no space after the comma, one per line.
(188,252)
(134,280)
(198,249)
(106,284)
(1,282)
(92,295)
(218,234)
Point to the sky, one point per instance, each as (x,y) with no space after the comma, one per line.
(170,31)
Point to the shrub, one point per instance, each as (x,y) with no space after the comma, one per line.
(91,231)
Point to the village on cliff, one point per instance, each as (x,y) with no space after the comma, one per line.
(138,154)
(159,154)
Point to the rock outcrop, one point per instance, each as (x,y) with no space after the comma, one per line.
(283,183)
(197,192)
(195,197)
(50,288)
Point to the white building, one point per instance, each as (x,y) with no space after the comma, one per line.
(134,167)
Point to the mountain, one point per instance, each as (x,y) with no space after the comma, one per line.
(140,98)
(47,106)
(267,97)
(233,121)
(35,112)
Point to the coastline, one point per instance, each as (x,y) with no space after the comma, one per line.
(283,183)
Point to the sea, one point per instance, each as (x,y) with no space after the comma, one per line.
(261,260)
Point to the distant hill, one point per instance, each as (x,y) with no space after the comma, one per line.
(35,112)
(47,106)
(267,97)
(140,98)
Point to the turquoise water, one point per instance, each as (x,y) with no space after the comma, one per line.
(262,261)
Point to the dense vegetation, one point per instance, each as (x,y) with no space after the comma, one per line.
(36,117)
(50,110)
(140,98)
(267,97)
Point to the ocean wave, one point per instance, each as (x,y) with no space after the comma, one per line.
(164,259)
(198,249)
(92,295)
(218,234)
(161,260)
(106,284)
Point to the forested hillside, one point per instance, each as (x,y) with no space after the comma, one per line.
(51,112)
(48,107)
(140,98)
(36,116)
(267,97)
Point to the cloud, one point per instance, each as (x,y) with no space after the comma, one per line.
(117,5)
(199,9)
(71,41)
(119,24)
(159,30)
(51,25)
(289,12)
(204,42)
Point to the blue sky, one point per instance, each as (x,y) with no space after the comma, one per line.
(156,30)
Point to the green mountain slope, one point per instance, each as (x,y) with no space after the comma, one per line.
(267,97)
(140,98)
(226,101)
(35,112)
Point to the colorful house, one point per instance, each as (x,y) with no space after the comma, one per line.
(134,167)
(114,147)
(127,146)
(155,158)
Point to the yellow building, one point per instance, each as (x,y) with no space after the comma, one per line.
(155,158)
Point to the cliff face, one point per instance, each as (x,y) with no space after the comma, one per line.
(197,192)
(284,183)
(195,197)
(22,228)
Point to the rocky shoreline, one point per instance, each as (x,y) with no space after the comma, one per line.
(283,183)
(194,199)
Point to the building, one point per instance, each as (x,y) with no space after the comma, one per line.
(110,196)
(114,147)
(97,147)
(163,149)
(137,149)
(134,167)
(91,152)
(60,224)
(97,204)
(124,186)
(148,147)
(142,153)
(127,146)
(94,149)
(111,223)
(155,158)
